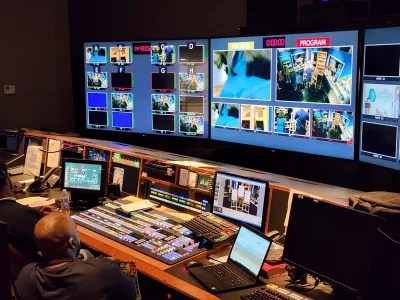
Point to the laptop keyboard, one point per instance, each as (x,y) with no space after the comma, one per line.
(228,274)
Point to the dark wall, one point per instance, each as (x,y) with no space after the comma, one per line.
(145,20)
(34,55)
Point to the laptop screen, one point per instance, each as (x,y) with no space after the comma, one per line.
(250,249)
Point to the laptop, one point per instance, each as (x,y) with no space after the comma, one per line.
(243,266)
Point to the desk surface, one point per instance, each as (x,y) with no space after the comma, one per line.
(328,192)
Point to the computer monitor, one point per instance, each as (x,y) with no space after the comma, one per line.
(241,198)
(85,179)
(9,142)
(331,242)
(380,120)
(293,92)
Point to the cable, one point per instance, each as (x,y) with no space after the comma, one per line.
(389,237)
(316,283)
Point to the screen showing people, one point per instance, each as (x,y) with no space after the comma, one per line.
(239,198)
(295,92)
(156,87)
(380,98)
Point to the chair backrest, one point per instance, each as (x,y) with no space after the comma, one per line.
(5,279)
(16,261)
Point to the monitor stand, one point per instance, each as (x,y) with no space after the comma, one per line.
(82,201)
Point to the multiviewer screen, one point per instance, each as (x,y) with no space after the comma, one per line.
(240,198)
(82,176)
(293,92)
(158,87)
(380,98)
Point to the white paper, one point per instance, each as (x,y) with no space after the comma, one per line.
(33,160)
(290,199)
(119,176)
(138,205)
(42,203)
(183,177)
(29,200)
(53,157)
(36,201)
(192,180)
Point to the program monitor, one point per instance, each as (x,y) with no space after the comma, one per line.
(292,92)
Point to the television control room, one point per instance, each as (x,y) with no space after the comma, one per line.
(231,149)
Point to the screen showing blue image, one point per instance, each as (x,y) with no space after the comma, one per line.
(293,92)
(97,100)
(161,85)
(380,98)
(122,120)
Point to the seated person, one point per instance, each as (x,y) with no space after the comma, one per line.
(20,219)
(62,275)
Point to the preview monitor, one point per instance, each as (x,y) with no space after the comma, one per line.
(293,92)
(379,137)
(148,87)
(240,198)
(333,243)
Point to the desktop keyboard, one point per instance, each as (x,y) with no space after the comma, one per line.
(226,274)
(272,291)
(212,229)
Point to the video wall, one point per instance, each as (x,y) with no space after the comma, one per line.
(380,98)
(157,87)
(295,92)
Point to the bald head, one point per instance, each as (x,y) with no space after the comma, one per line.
(56,237)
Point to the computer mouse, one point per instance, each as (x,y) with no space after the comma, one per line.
(193,264)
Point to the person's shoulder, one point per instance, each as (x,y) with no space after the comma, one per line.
(15,206)
(101,265)
(26,273)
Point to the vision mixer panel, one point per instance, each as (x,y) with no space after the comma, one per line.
(153,233)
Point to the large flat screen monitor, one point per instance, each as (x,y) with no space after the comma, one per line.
(379,142)
(241,198)
(154,87)
(292,92)
(333,243)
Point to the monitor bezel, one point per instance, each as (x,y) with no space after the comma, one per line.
(264,208)
(104,176)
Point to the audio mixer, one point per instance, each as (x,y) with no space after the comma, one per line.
(153,233)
